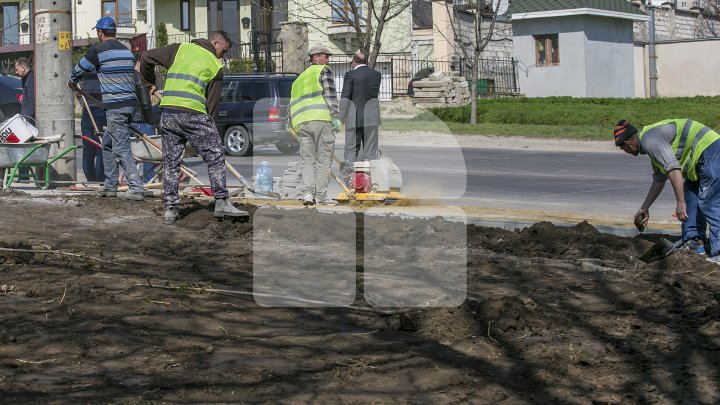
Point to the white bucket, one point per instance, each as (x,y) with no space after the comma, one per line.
(16,130)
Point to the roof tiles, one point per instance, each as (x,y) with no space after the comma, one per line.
(532,6)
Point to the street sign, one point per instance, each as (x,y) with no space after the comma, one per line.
(64,40)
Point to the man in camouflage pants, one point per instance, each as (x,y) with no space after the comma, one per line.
(190,105)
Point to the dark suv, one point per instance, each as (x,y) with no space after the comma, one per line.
(10,96)
(253,111)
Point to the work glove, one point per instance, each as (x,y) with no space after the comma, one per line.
(641,219)
(335,125)
(73,86)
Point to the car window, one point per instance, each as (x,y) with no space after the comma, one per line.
(228,91)
(252,90)
(284,88)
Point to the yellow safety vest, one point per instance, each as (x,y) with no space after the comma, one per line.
(691,139)
(188,77)
(307,102)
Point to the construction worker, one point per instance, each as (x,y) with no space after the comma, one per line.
(314,116)
(143,119)
(93,118)
(114,63)
(688,153)
(190,105)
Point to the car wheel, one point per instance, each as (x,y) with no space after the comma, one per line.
(237,141)
(288,148)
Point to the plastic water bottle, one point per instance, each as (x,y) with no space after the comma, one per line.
(264,177)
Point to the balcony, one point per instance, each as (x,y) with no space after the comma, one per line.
(343,30)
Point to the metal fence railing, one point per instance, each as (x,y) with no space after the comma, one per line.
(501,73)
(340,65)
(405,69)
(495,76)
(261,55)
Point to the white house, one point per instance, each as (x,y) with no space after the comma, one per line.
(579,48)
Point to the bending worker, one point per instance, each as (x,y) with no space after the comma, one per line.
(190,105)
(688,153)
(314,116)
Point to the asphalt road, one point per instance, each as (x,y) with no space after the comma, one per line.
(593,183)
(573,183)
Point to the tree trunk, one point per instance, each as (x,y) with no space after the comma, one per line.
(372,57)
(473,91)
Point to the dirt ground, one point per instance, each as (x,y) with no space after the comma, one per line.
(552,315)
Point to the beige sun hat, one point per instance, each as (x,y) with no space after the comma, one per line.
(319,49)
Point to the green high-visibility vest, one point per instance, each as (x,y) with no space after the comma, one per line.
(691,139)
(188,77)
(307,102)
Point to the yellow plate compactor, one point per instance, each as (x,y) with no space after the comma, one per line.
(374,181)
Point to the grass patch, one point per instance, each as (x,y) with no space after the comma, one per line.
(559,117)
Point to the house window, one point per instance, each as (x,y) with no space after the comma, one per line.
(9,32)
(120,10)
(141,10)
(185,15)
(225,15)
(342,10)
(422,14)
(547,51)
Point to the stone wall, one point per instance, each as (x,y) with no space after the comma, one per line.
(672,24)
(501,45)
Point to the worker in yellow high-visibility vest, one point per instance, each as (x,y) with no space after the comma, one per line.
(313,115)
(687,153)
(190,105)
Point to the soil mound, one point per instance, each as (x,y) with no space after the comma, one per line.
(101,302)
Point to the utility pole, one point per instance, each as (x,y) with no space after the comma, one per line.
(652,53)
(150,10)
(52,56)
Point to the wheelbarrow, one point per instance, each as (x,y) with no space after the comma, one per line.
(35,155)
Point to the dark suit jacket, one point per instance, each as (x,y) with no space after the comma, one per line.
(359,105)
(27,105)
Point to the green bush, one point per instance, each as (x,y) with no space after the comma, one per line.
(80,51)
(240,66)
(243,65)
(162,36)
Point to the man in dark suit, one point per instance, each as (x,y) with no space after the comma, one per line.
(360,111)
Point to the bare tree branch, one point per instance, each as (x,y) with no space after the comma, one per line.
(367,18)
(481,10)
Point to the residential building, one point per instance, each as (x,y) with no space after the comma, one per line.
(579,48)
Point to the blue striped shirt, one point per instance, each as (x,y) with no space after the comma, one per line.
(114,65)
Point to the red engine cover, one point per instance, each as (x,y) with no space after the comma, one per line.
(361,182)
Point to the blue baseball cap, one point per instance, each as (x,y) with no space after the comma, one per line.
(105,23)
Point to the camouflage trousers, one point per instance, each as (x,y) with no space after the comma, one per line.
(178,128)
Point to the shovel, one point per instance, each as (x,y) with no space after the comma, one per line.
(660,250)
